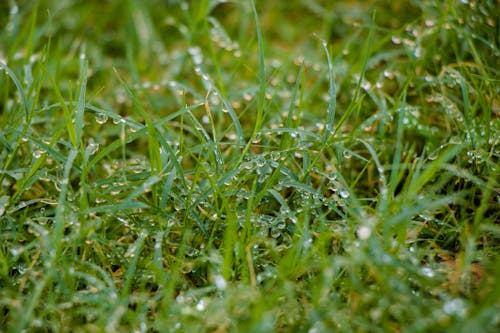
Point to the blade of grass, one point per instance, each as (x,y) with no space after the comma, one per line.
(291,108)
(332,93)
(396,160)
(134,252)
(54,247)
(262,84)
(24,101)
(430,170)
(80,104)
(153,144)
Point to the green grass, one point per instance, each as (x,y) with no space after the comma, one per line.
(283,166)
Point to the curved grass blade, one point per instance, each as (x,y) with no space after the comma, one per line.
(332,104)
(262,83)
(80,105)
(22,95)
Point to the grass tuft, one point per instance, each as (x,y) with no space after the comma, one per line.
(210,166)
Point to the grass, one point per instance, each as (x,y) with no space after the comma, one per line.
(305,166)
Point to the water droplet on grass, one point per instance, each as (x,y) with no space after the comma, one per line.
(430,23)
(257,138)
(426,271)
(344,194)
(4,201)
(275,234)
(389,75)
(396,40)
(38,153)
(16,251)
(220,282)
(93,148)
(417,52)
(366,85)
(432,156)
(307,242)
(347,154)
(455,307)
(364,232)
(201,305)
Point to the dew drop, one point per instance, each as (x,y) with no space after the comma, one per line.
(256,139)
(389,75)
(396,40)
(432,156)
(38,153)
(425,271)
(93,148)
(16,251)
(364,232)
(366,85)
(307,242)
(347,154)
(220,282)
(201,305)
(429,23)
(118,120)
(455,307)
(417,52)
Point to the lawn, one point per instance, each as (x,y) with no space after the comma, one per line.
(239,166)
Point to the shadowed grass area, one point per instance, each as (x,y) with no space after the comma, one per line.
(290,166)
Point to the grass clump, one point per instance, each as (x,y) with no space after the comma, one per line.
(231,166)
